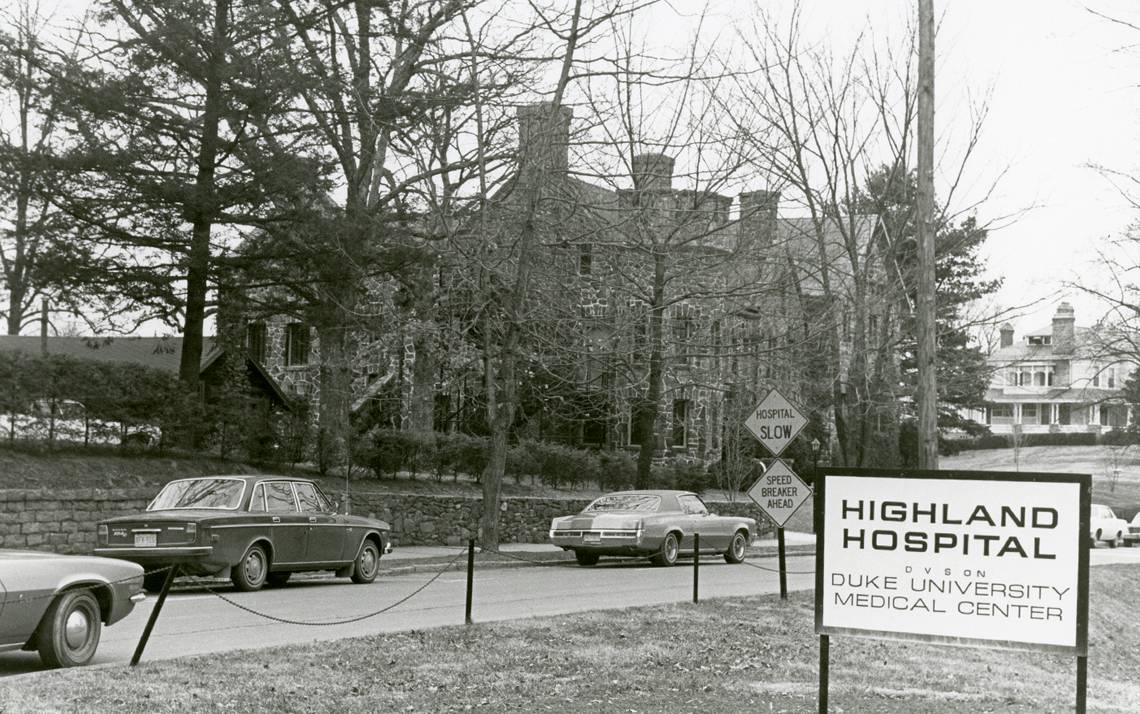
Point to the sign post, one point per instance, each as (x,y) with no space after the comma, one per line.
(779,491)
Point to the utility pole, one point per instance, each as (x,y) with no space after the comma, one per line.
(927,396)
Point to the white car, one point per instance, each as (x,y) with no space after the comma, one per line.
(1132,535)
(1104,526)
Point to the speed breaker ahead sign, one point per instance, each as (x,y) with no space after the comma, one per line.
(779,492)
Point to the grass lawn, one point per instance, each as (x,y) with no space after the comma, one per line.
(732,655)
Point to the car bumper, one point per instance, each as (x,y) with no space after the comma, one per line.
(198,559)
(602,544)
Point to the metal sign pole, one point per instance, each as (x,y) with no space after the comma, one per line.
(470,579)
(783,564)
(1082,682)
(824,657)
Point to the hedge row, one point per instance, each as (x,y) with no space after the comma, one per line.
(387,452)
(949,447)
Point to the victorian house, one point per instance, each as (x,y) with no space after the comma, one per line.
(1054,379)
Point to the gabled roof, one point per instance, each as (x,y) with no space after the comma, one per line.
(163,353)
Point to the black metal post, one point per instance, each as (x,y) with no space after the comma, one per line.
(824,657)
(170,574)
(696,565)
(1082,682)
(470,577)
(783,564)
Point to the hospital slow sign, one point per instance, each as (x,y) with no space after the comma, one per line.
(993,559)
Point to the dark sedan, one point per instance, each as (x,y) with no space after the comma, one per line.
(58,604)
(256,529)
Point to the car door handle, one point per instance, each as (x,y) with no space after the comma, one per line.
(276,519)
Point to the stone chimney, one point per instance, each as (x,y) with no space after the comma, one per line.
(652,172)
(1064,339)
(544,140)
(1007,335)
(758,212)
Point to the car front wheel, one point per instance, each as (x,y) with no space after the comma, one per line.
(250,572)
(736,549)
(668,553)
(367,564)
(71,630)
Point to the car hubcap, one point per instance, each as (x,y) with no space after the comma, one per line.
(368,561)
(671,549)
(738,547)
(76,629)
(254,568)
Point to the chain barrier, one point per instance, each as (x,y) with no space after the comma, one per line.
(347,620)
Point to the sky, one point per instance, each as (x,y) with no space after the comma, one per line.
(1062,96)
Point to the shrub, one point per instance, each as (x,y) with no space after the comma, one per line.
(461,453)
(681,473)
(617,470)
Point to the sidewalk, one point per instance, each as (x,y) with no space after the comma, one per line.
(432,558)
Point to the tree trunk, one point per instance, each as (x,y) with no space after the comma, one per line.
(648,408)
(335,393)
(204,207)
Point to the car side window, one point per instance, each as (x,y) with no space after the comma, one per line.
(692,505)
(257,500)
(310,499)
(279,497)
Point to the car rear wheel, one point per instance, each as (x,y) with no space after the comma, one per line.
(736,549)
(70,630)
(251,571)
(367,565)
(277,579)
(668,553)
(585,558)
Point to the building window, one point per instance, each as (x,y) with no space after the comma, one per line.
(255,341)
(1028,413)
(1011,379)
(1096,379)
(680,422)
(585,258)
(296,344)
(1112,378)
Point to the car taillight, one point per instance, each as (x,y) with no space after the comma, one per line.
(191,530)
(102,533)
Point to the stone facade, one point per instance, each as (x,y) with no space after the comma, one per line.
(64,521)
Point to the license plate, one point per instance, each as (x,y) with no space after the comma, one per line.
(592,538)
(146,540)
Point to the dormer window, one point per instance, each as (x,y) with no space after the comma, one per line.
(1039,340)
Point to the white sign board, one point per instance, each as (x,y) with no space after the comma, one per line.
(970,558)
(775,422)
(779,492)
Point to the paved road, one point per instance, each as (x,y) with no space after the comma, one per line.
(198,622)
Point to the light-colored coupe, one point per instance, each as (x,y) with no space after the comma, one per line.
(57,604)
(1105,527)
(659,525)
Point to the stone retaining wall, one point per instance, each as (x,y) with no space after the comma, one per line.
(64,521)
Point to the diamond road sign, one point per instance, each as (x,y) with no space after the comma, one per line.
(779,492)
(775,422)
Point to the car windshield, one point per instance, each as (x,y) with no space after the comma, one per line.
(222,493)
(626,502)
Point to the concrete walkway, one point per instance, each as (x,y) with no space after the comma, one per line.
(401,554)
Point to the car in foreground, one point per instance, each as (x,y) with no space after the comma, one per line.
(1132,535)
(253,529)
(659,525)
(58,604)
(1105,527)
